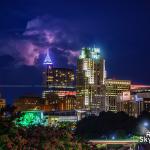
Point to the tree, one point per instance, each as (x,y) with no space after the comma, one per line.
(106,125)
(30,118)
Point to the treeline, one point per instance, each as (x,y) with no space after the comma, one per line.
(38,137)
(111,125)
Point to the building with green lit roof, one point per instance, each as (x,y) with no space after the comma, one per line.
(90,79)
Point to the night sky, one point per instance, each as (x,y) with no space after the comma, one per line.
(120,28)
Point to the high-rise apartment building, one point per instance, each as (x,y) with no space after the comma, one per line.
(90,80)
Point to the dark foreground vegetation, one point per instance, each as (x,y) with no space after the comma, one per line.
(109,125)
(38,138)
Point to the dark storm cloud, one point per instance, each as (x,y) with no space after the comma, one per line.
(42,33)
(22,50)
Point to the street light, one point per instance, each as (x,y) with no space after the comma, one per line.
(113,138)
(146,124)
(143,127)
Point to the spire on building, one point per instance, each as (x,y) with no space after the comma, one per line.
(47,60)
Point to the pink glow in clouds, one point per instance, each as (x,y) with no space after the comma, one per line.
(72,56)
(41,33)
(29,52)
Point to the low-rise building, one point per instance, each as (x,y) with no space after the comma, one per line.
(135,101)
(28,103)
(2,103)
(64,116)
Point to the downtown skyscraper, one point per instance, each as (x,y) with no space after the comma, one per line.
(90,80)
(59,91)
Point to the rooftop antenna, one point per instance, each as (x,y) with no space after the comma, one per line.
(47,60)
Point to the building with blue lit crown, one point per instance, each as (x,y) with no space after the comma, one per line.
(47,60)
(59,81)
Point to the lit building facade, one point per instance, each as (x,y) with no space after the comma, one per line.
(28,103)
(137,101)
(129,107)
(90,79)
(134,106)
(142,96)
(2,103)
(113,89)
(67,103)
(58,81)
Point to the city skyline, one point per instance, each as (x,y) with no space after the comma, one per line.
(119,29)
(74,74)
